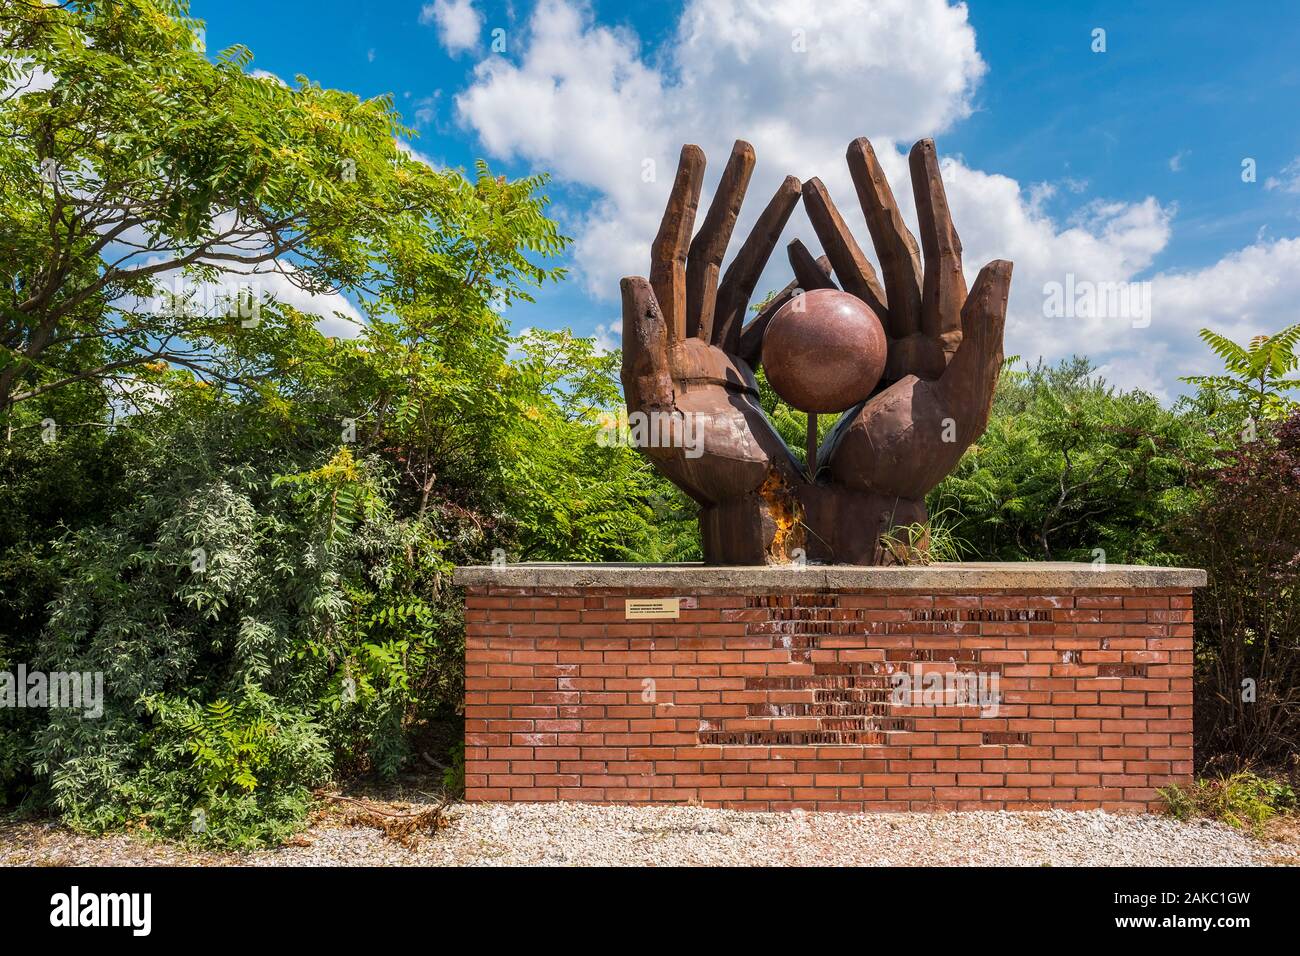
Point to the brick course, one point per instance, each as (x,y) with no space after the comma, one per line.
(776,701)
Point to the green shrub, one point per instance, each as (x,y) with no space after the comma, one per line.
(1246,534)
(13,762)
(1073,469)
(1242,800)
(299,599)
(923,542)
(233,774)
(453,778)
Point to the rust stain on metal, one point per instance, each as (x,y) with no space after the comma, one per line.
(787,516)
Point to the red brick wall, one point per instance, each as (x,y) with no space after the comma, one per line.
(771,702)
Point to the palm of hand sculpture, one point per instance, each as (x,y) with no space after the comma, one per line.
(687,363)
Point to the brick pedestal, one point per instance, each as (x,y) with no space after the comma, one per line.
(999,686)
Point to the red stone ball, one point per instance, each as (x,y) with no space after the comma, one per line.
(824,351)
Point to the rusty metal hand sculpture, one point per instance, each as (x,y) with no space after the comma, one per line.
(687,363)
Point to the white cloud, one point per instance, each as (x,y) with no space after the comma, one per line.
(411,151)
(1252,291)
(1176,160)
(458,23)
(279,279)
(129,394)
(586,104)
(28,79)
(426,108)
(1129,372)
(1248,292)
(514,352)
(1104,243)
(1289,182)
(267,75)
(609,335)
(800,80)
(276,279)
(336,315)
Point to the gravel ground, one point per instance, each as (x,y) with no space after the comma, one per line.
(559,834)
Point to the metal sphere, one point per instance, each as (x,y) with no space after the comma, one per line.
(824,351)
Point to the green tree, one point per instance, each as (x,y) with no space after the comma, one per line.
(1070,465)
(580,493)
(1255,375)
(137,157)
(247,525)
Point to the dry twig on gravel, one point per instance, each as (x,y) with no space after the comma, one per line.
(400,822)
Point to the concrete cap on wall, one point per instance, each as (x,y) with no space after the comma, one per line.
(965,576)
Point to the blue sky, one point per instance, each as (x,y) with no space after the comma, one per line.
(1122,166)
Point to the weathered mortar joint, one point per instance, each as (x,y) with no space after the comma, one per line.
(783,690)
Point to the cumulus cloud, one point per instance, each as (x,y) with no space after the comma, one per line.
(585,102)
(276,279)
(335,314)
(1249,292)
(800,80)
(1104,243)
(457,21)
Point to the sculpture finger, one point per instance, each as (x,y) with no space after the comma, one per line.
(809,273)
(944,288)
(669,251)
(738,282)
(851,267)
(967,384)
(710,245)
(896,248)
(647,381)
(751,337)
(750,350)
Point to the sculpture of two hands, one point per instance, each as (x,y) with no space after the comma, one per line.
(688,360)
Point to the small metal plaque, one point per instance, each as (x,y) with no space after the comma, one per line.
(660,608)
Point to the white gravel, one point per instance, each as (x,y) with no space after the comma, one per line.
(557,834)
(564,834)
